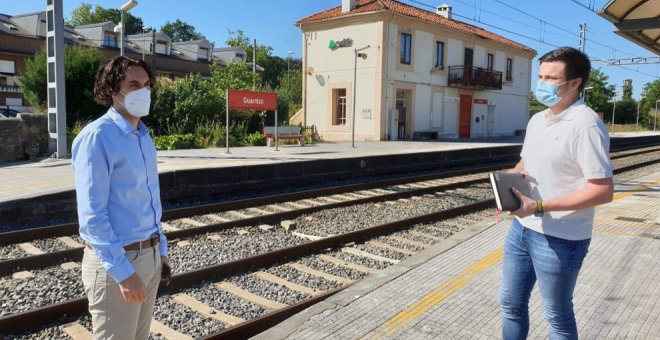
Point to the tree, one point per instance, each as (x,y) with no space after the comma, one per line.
(534,105)
(647,108)
(289,93)
(181,31)
(80,65)
(272,68)
(627,90)
(83,15)
(601,92)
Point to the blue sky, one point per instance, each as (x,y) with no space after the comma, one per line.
(271,22)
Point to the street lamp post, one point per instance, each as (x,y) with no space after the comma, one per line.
(288,69)
(586,90)
(353,114)
(637,121)
(655,116)
(613,110)
(125,8)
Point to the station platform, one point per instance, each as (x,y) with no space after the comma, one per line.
(450,291)
(23,180)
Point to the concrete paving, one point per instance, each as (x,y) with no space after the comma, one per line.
(450,291)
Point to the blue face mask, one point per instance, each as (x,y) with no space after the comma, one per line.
(546,93)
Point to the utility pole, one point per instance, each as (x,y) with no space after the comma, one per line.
(254,64)
(613,111)
(583,33)
(583,38)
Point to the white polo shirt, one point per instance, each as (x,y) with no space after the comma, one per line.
(561,153)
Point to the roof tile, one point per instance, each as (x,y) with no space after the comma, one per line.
(367,6)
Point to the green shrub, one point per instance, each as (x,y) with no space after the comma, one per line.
(255,139)
(173,142)
(209,135)
(73,131)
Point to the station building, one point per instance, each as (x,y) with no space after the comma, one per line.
(414,74)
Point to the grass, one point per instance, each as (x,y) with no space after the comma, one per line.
(626,128)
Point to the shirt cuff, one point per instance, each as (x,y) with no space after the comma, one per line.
(162,245)
(122,270)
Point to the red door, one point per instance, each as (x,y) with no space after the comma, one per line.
(465,116)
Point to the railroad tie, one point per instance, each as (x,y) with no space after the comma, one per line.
(298,205)
(358,252)
(339,262)
(344,197)
(390,247)
(192,222)
(69,242)
(24,275)
(303,268)
(247,296)
(330,199)
(288,284)
(278,208)
(167,332)
(76,331)
(408,241)
(426,235)
(305,236)
(259,211)
(69,265)
(312,202)
(216,218)
(30,248)
(168,227)
(205,310)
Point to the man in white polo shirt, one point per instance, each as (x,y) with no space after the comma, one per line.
(565,157)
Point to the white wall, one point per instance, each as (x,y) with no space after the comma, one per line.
(332,67)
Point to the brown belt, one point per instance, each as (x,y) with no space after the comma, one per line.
(139,245)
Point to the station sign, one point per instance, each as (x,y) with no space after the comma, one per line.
(250,100)
(480,101)
(346,42)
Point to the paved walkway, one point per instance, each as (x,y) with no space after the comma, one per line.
(450,291)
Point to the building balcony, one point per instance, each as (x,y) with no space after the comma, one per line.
(474,78)
(10,89)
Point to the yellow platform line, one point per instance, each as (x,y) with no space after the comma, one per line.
(403,318)
(446,289)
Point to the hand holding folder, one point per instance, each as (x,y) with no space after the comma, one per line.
(502,182)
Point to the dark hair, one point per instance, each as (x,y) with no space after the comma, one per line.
(110,75)
(576,63)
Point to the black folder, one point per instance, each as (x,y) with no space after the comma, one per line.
(502,182)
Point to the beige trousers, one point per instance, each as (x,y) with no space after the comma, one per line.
(112,317)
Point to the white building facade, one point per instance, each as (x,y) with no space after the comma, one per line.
(415,74)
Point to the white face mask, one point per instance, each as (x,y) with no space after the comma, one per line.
(137,102)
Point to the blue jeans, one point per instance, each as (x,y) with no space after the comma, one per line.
(530,256)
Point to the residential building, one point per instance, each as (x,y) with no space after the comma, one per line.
(413,74)
(22,36)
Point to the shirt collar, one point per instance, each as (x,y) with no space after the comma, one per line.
(568,114)
(124,125)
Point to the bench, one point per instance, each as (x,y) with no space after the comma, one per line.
(283,132)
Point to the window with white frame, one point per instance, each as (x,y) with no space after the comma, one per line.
(7,66)
(509,69)
(339,107)
(439,54)
(406,45)
(490,61)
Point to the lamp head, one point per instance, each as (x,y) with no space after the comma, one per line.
(362,55)
(127,6)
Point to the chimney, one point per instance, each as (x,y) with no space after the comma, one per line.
(444,10)
(347,5)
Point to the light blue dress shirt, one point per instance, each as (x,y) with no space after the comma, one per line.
(117,190)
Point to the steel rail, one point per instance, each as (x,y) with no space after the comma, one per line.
(51,313)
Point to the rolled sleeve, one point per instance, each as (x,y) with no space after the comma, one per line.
(92,172)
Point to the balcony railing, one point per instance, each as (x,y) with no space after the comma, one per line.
(10,88)
(474,78)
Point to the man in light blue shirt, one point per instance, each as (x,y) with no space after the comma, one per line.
(119,208)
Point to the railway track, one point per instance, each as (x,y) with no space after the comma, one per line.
(369,246)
